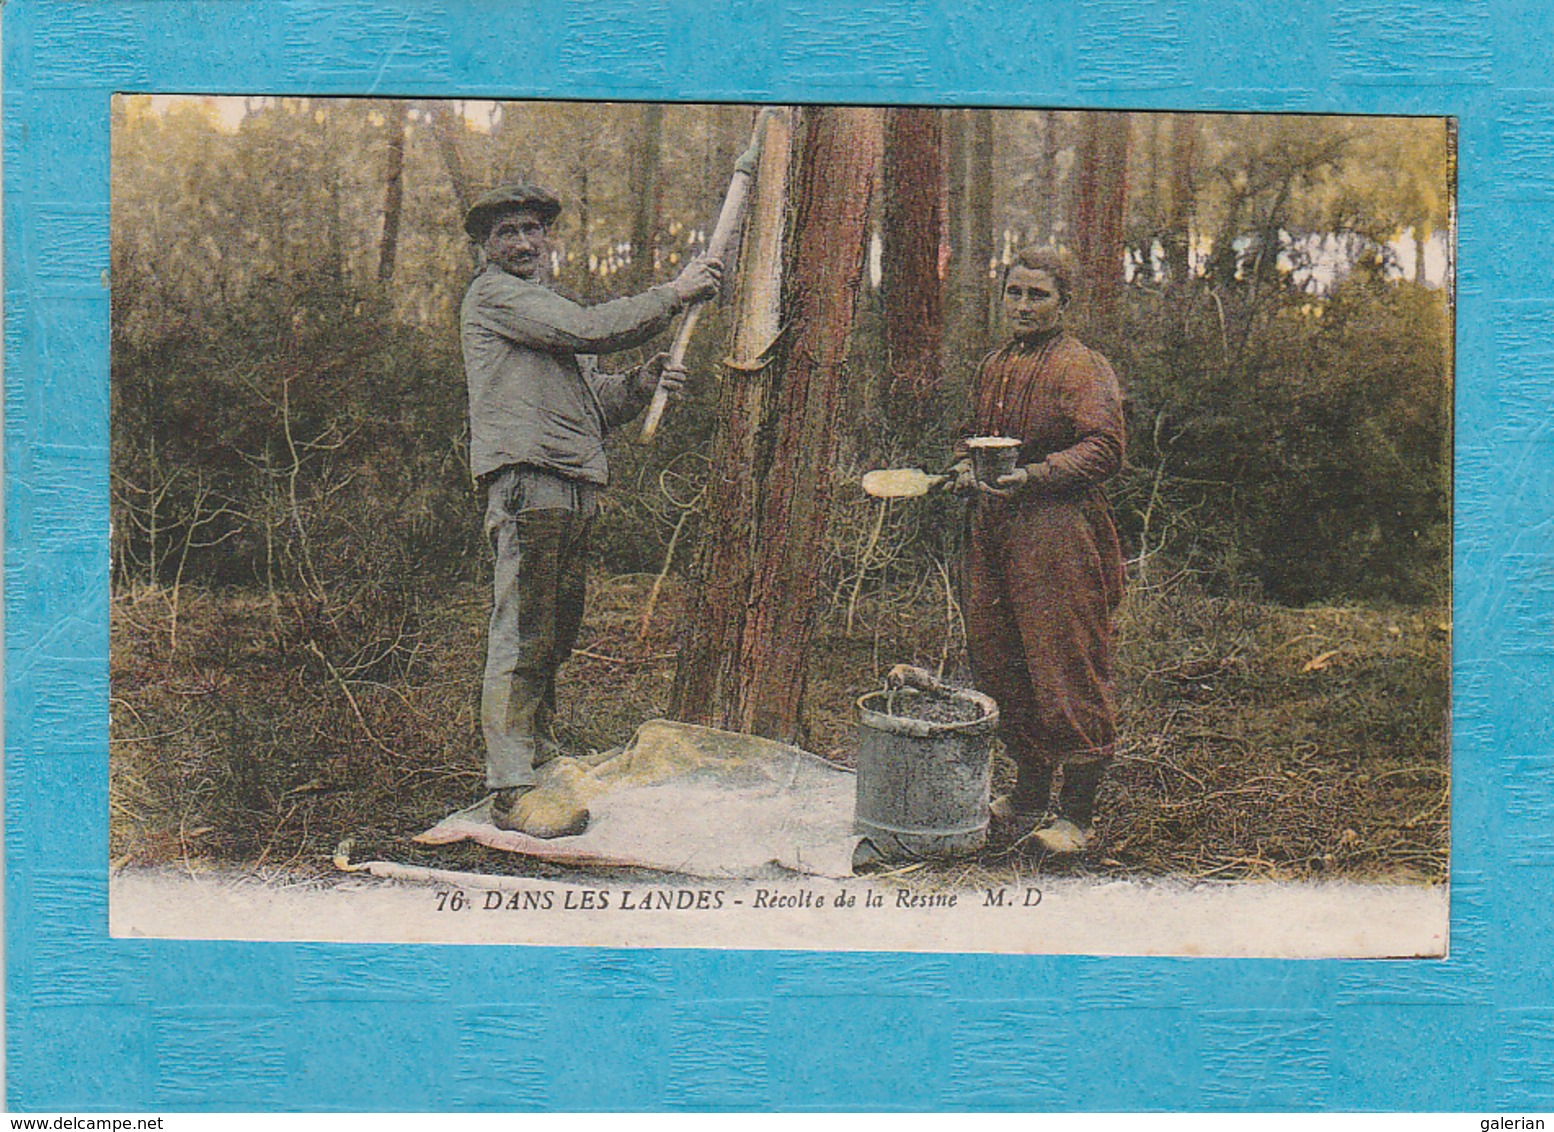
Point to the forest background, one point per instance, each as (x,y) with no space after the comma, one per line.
(298,567)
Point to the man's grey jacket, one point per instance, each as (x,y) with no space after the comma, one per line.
(536,396)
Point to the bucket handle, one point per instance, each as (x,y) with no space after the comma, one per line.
(911,676)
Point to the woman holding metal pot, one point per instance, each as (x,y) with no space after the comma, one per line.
(1043,571)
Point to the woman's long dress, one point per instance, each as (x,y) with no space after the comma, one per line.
(1043,572)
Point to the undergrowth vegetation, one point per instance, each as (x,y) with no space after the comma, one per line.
(1258,741)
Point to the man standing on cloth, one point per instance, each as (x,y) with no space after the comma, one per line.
(539,410)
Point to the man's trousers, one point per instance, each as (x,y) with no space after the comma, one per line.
(535,615)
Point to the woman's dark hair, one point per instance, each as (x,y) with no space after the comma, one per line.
(1058,264)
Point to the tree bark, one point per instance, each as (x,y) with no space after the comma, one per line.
(954,141)
(445,127)
(647,158)
(582,280)
(963,296)
(1179,220)
(745,649)
(393,190)
(1103,162)
(1047,215)
(334,236)
(707,686)
(979,215)
(825,263)
(913,291)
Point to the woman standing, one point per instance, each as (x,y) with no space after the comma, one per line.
(1043,570)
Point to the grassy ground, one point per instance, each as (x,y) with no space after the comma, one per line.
(1259,741)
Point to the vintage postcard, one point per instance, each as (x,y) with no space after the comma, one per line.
(391,725)
(820,527)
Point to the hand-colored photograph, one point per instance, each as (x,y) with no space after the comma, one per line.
(805,527)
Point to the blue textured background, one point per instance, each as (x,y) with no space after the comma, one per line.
(94,1022)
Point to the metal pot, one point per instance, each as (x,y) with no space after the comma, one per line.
(993,457)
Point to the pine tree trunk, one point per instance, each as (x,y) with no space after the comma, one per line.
(913,291)
(707,688)
(334,238)
(1178,227)
(956,156)
(963,297)
(1103,161)
(744,653)
(446,126)
(647,157)
(583,281)
(1047,179)
(393,190)
(980,218)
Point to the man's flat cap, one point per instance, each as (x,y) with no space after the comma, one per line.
(503,199)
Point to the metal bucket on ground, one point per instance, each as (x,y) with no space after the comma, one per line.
(923,772)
